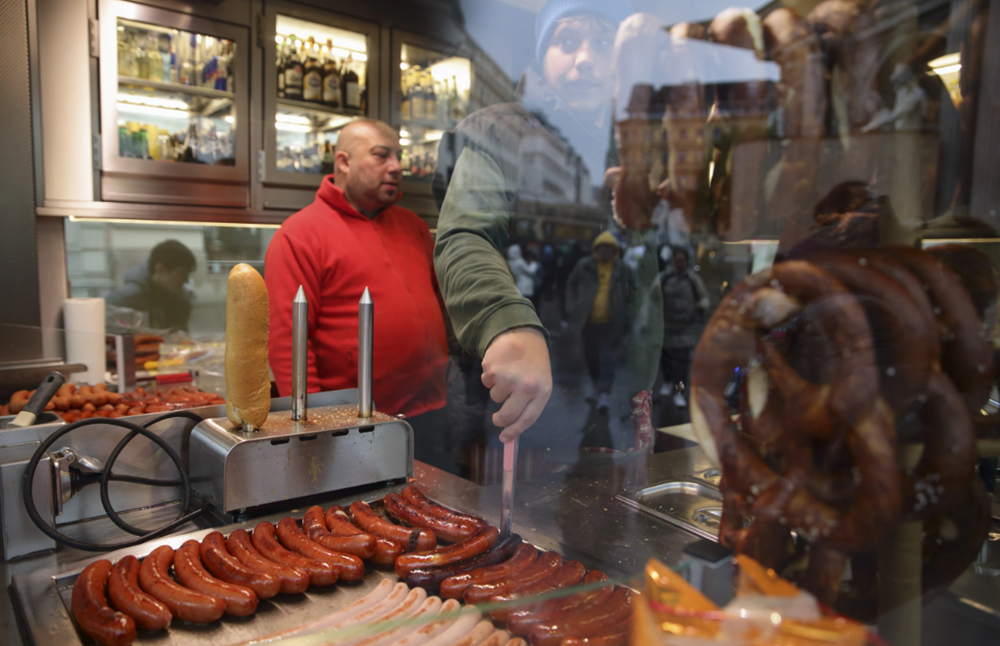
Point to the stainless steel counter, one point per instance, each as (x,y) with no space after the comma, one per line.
(573,512)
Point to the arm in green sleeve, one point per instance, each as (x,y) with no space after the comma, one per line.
(478,290)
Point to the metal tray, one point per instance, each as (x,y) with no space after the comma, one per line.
(692,503)
(45,603)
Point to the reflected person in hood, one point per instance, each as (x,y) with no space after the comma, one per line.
(157,287)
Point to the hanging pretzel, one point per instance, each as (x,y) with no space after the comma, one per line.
(759,304)
(966,353)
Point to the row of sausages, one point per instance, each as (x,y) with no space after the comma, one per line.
(230,575)
(74,403)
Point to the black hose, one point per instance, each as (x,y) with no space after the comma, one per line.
(134,429)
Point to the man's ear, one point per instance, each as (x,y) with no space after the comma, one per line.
(342,160)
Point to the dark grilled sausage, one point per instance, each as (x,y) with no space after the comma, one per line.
(452,531)
(350,567)
(599,620)
(293,580)
(91,610)
(339,524)
(126,596)
(224,566)
(569,574)
(412,539)
(240,601)
(314,526)
(183,603)
(430,578)
(480,542)
(546,565)
(454,587)
(320,573)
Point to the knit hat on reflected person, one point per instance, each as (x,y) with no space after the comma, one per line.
(606,237)
(554,10)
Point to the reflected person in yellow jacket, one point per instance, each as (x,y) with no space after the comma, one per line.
(600,301)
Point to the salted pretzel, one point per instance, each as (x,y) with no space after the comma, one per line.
(966,352)
(756,306)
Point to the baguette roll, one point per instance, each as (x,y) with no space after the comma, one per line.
(248,386)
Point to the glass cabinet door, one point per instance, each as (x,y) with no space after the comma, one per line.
(317,81)
(175,95)
(433,95)
(174,99)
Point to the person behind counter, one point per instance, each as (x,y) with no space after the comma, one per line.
(352,237)
(157,287)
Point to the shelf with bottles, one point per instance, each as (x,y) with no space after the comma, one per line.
(321,66)
(305,139)
(175,95)
(170,59)
(419,144)
(434,87)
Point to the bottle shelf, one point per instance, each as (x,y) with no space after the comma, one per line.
(175,87)
(309,106)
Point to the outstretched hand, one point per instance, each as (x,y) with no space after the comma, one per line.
(517,371)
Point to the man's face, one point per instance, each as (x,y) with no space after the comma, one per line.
(171,280)
(371,170)
(605,253)
(578,63)
(680,262)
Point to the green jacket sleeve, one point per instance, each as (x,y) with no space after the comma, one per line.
(478,290)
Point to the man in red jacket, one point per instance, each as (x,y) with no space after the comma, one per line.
(351,237)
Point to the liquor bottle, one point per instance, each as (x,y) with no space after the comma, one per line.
(352,87)
(167,52)
(142,55)
(405,107)
(417,107)
(154,59)
(326,165)
(331,79)
(312,79)
(457,112)
(430,97)
(293,71)
(282,56)
(192,147)
(189,72)
(124,69)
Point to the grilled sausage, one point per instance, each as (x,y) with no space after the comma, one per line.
(616,635)
(339,524)
(521,621)
(412,539)
(595,622)
(430,578)
(416,498)
(126,596)
(240,601)
(445,529)
(91,610)
(454,587)
(466,622)
(224,566)
(183,603)
(320,573)
(350,567)
(546,565)
(480,542)
(293,580)
(569,574)
(314,526)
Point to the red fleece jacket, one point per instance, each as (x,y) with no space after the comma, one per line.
(334,252)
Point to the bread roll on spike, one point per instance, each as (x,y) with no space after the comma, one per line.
(248,386)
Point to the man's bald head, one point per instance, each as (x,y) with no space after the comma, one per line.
(367,166)
(361,130)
